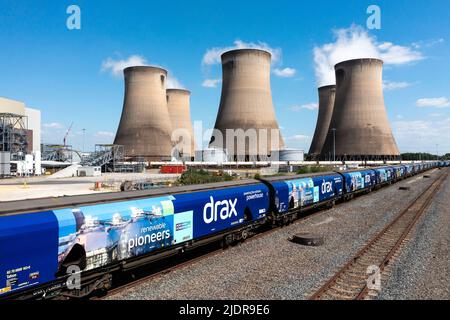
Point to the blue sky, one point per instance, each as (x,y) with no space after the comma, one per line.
(65,72)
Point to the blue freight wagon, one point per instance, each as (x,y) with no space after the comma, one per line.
(399,172)
(385,175)
(303,191)
(357,181)
(409,169)
(97,231)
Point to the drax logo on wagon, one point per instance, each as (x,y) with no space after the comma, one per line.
(215,210)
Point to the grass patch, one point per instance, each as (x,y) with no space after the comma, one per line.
(200,176)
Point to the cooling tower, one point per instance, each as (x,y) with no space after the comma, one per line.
(326,104)
(359,120)
(179,111)
(145,127)
(246,106)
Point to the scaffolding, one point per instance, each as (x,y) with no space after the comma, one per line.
(57,152)
(13,135)
(110,157)
(105,155)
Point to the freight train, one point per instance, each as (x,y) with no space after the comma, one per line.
(47,244)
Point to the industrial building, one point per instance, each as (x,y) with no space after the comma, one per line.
(20,138)
(326,104)
(211,155)
(178,103)
(145,126)
(290,154)
(359,127)
(246,107)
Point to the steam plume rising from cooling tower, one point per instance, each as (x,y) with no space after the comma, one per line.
(145,127)
(362,129)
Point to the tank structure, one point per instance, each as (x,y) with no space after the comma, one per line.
(178,103)
(326,105)
(145,127)
(359,127)
(289,154)
(246,104)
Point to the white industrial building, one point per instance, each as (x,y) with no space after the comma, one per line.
(30,163)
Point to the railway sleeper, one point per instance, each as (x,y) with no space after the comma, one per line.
(351,274)
(350,284)
(357,275)
(342,291)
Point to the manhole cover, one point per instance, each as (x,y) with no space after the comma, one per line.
(307,239)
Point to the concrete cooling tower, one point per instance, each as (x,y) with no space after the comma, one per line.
(145,126)
(359,120)
(326,104)
(246,103)
(179,110)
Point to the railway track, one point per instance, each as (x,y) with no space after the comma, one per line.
(360,277)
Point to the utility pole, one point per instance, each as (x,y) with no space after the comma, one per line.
(84,132)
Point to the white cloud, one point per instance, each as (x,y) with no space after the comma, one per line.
(53,125)
(395,54)
(212,55)
(441,102)
(308,106)
(427,43)
(211,83)
(412,128)
(355,43)
(116,67)
(422,135)
(284,73)
(391,85)
(299,137)
(173,83)
(107,134)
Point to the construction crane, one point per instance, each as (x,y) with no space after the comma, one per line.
(67,133)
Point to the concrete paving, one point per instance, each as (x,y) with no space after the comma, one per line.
(40,187)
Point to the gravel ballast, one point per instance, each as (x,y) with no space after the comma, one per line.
(271,267)
(422,269)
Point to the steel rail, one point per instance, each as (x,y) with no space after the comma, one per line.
(337,285)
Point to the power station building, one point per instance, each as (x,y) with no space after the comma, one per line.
(145,127)
(178,103)
(359,127)
(326,105)
(20,138)
(246,126)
